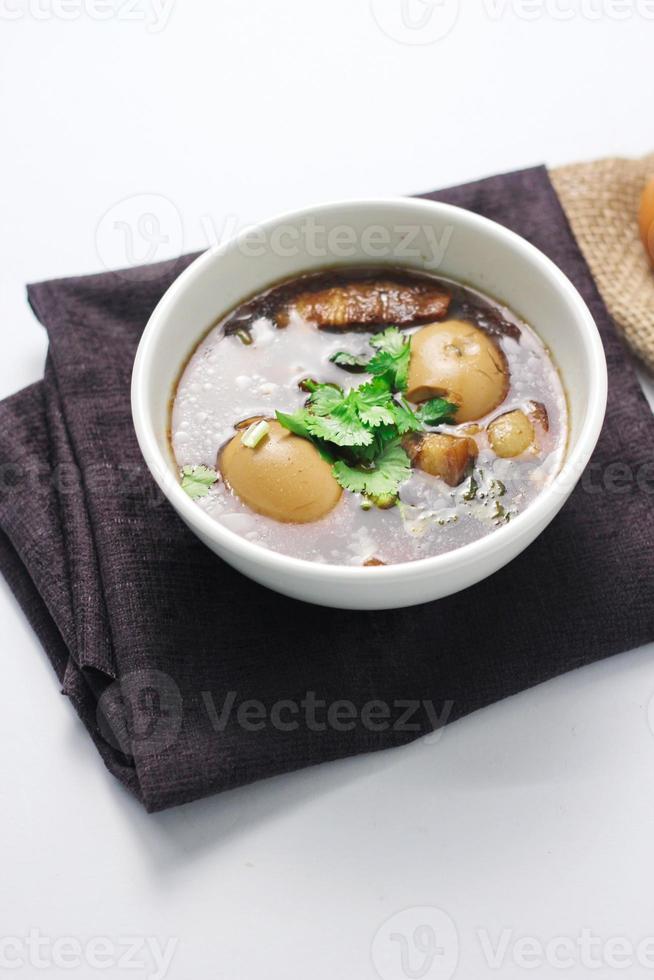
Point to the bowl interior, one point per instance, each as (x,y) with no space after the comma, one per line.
(423,235)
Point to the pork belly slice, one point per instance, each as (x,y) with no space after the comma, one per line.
(449,457)
(365,304)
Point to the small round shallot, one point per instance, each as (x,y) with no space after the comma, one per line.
(511,434)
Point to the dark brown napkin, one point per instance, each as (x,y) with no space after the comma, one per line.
(190,678)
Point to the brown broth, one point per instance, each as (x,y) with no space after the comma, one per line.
(226,381)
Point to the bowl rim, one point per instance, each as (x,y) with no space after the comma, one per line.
(533,518)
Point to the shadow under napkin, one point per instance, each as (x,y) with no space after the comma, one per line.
(154,638)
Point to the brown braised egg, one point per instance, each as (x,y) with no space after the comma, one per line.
(283,476)
(646,219)
(457,360)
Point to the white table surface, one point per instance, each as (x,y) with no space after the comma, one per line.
(532,819)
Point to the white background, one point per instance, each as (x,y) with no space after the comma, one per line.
(534,816)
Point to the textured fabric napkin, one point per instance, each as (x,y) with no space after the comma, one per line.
(601,200)
(190,678)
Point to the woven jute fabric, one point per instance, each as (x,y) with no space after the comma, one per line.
(601,200)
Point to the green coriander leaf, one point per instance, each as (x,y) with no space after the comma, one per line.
(325,398)
(366,455)
(392,357)
(350,362)
(391,469)
(352,478)
(404,418)
(343,427)
(197,480)
(390,340)
(295,423)
(391,360)
(383,363)
(376,415)
(350,416)
(373,402)
(402,370)
(375,392)
(437,411)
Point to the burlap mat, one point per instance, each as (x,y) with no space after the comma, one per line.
(601,200)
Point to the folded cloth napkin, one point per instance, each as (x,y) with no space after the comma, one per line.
(192,679)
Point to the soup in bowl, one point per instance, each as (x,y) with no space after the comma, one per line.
(370,434)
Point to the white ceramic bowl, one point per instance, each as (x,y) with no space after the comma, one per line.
(420,234)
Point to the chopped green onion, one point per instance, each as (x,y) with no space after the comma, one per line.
(255,433)
(244,336)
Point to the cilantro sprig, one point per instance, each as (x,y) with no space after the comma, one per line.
(380,481)
(390,362)
(359,431)
(197,480)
